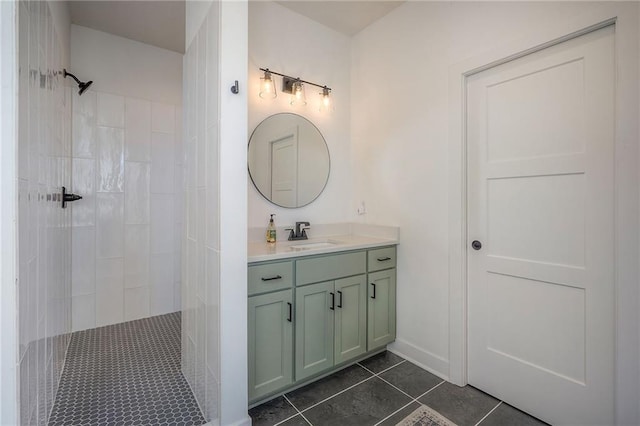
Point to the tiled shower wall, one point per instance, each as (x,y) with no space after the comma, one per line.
(44,237)
(127,229)
(201,289)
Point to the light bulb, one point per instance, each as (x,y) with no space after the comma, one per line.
(297,94)
(325,103)
(267,86)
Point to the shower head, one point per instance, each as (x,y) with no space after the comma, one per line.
(84,86)
(81,84)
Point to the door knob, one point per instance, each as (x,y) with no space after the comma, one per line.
(476,245)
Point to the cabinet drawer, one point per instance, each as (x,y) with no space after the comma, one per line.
(383,258)
(327,268)
(270,277)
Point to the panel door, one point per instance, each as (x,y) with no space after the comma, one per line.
(540,134)
(314,328)
(381,313)
(351,318)
(270,342)
(284,169)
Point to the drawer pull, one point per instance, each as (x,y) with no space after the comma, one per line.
(340,299)
(290,312)
(333,302)
(382,259)
(277,277)
(373,296)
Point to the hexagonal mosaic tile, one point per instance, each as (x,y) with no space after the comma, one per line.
(126,374)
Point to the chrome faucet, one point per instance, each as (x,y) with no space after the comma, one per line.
(300,232)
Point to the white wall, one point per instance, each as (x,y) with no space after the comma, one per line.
(127,164)
(43,228)
(400,156)
(201,240)
(126,67)
(292,44)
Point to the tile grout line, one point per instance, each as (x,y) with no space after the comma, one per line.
(296,408)
(411,402)
(487,415)
(342,391)
(420,396)
(395,387)
(395,412)
(336,394)
(383,371)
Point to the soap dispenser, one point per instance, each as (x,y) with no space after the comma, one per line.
(271,230)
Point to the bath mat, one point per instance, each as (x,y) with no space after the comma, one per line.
(425,416)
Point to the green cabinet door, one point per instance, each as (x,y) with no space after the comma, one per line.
(270,343)
(314,329)
(351,318)
(381,322)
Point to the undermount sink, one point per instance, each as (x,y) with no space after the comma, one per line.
(313,245)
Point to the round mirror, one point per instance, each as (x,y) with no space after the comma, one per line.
(288,160)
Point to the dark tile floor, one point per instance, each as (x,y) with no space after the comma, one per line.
(126,374)
(383,390)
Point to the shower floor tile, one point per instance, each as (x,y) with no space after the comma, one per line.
(127,374)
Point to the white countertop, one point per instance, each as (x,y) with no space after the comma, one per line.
(259,251)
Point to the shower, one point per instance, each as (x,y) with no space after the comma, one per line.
(81,85)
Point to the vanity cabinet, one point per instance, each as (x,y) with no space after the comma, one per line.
(381,321)
(331,324)
(311,314)
(381,312)
(270,345)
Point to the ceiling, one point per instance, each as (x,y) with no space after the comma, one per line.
(158,23)
(347,17)
(161,23)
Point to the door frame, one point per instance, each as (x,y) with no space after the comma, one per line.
(626,208)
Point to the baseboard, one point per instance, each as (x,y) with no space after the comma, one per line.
(242,422)
(421,357)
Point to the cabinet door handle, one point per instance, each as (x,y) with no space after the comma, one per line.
(333,301)
(382,259)
(373,296)
(340,300)
(277,277)
(290,312)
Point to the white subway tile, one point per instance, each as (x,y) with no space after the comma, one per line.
(136,192)
(83,212)
(162,163)
(24,224)
(162,224)
(163,118)
(136,256)
(212,217)
(177,296)
(177,266)
(213,277)
(83,310)
(110,110)
(110,159)
(84,124)
(137,129)
(161,284)
(109,225)
(83,260)
(136,303)
(109,291)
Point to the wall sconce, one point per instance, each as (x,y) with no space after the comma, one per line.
(295,87)
(267,86)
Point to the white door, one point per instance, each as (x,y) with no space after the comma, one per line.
(284,170)
(540,132)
